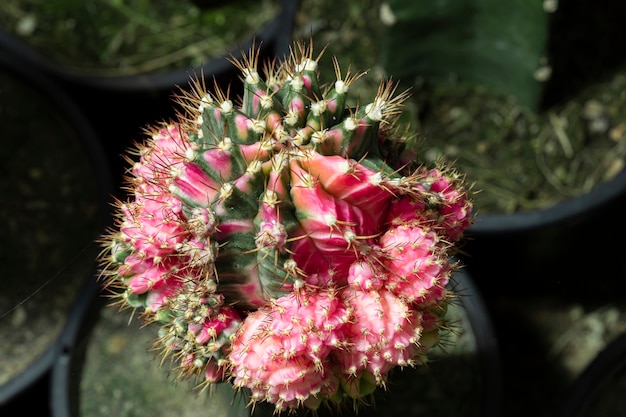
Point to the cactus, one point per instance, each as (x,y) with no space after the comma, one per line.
(285,242)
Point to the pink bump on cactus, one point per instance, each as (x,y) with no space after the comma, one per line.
(287,243)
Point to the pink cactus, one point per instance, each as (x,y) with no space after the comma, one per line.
(450,198)
(282,351)
(384,333)
(414,258)
(287,244)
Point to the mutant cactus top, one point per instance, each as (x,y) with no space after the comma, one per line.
(284,242)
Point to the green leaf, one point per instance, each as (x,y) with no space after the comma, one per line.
(494,43)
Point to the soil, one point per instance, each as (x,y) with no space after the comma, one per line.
(51,213)
(520,160)
(132,37)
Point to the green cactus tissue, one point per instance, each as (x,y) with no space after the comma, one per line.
(284,242)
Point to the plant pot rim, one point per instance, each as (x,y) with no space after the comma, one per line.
(95,156)
(271,31)
(566,212)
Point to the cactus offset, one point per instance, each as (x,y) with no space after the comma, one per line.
(285,242)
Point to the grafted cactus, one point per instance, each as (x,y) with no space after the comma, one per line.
(285,242)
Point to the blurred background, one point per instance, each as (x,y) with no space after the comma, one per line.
(526,98)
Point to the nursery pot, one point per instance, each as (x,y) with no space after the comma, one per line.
(552,250)
(109,370)
(599,390)
(55,187)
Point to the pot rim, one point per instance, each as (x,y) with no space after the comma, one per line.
(566,212)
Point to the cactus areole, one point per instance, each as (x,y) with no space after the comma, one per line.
(284,242)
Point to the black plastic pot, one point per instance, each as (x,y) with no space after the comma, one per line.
(483,365)
(19,393)
(552,250)
(599,390)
